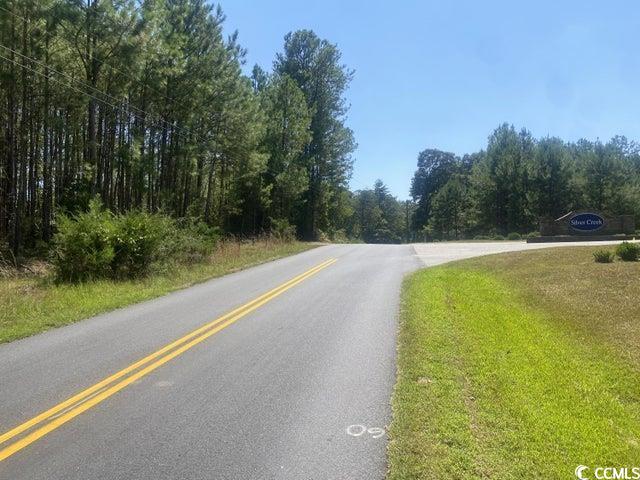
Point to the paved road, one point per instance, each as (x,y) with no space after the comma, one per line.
(272,396)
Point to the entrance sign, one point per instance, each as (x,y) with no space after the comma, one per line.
(586,222)
(586,225)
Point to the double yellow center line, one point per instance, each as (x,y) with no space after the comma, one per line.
(83,401)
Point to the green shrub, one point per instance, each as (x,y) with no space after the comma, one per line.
(136,242)
(281,229)
(628,252)
(83,245)
(603,256)
(514,236)
(340,236)
(482,237)
(189,242)
(322,237)
(497,236)
(532,235)
(98,244)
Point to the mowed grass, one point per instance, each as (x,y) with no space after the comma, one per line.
(31,304)
(521,365)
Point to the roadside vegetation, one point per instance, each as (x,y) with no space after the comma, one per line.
(102,262)
(100,244)
(628,252)
(520,365)
(106,99)
(625,251)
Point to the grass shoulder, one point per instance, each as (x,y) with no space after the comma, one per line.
(519,365)
(32,303)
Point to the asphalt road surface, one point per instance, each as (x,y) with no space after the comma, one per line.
(294,384)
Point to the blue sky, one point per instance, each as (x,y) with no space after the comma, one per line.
(444,74)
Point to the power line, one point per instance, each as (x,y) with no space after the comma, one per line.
(73,79)
(77,89)
(102,62)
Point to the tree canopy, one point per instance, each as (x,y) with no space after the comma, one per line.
(145,105)
(518,180)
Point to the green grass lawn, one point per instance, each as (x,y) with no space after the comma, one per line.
(515,366)
(31,304)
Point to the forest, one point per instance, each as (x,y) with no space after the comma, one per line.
(503,190)
(144,106)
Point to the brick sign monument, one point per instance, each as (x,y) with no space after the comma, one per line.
(586,225)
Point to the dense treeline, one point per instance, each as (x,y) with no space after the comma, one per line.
(517,180)
(379,217)
(143,104)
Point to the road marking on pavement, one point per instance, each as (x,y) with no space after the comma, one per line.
(84,400)
(359,430)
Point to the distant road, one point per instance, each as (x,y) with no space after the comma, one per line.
(282,371)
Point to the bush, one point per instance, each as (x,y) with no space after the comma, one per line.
(628,252)
(98,244)
(514,236)
(282,230)
(84,245)
(603,256)
(340,236)
(322,237)
(189,242)
(136,242)
(532,235)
